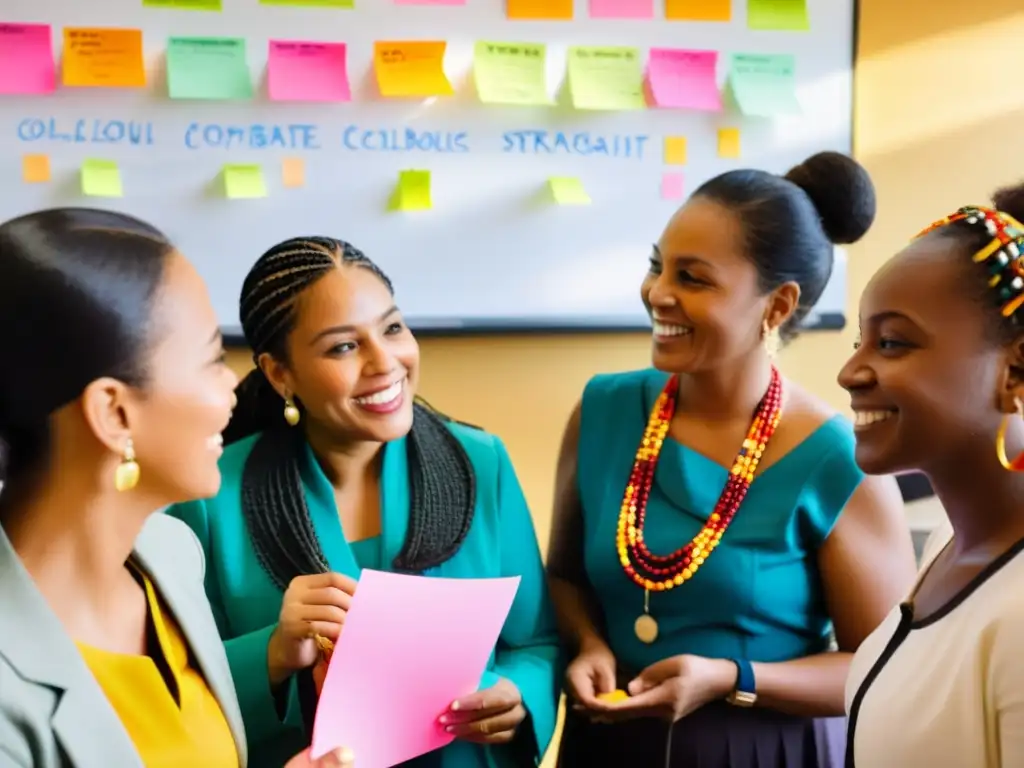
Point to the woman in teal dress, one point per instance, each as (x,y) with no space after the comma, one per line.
(332,467)
(712,532)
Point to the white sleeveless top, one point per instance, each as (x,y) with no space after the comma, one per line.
(947,692)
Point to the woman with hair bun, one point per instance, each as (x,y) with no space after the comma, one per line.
(712,533)
(334,466)
(937,383)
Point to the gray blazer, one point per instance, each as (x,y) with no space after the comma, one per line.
(53,714)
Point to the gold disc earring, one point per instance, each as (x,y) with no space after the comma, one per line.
(127,474)
(291,413)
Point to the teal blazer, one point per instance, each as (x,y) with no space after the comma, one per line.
(500,542)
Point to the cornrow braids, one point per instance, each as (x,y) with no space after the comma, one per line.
(441,478)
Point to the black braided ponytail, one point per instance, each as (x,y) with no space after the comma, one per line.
(441,478)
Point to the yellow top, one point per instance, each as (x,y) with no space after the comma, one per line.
(163,701)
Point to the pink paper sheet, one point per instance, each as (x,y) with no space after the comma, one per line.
(307,71)
(684,79)
(430,2)
(26,59)
(622,9)
(411,646)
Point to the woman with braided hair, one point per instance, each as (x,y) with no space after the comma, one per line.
(938,377)
(333,466)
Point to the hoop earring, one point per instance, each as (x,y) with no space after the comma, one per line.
(770,338)
(291,413)
(1017,464)
(127,474)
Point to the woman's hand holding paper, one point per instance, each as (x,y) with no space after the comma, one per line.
(490,716)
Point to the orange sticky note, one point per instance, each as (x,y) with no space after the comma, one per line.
(729,142)
(548,10)
(107,58)
(293,172)
(698,10)
(35,169)
(411,68)
(675,150)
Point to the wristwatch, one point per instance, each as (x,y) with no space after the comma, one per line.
(745,692)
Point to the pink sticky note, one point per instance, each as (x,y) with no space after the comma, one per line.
(622,9)
(26,59)
(306,71)
(430,2)
(672,186)
(684,79)
(412,645)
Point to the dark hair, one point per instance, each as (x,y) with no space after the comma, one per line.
(442,482)
(76,298)
(791,222)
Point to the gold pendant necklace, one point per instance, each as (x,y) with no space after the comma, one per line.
(646,626)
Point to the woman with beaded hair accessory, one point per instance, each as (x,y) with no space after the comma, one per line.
(712,532)
(332,466)
(936,378)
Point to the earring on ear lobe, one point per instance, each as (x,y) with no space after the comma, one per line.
(127,474)
(291,413)
(1017,464)
(770,339)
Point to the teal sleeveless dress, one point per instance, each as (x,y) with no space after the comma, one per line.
(758,597)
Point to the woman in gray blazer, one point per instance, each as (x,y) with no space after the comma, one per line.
(113,394)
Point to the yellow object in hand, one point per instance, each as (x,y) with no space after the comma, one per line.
(614,697)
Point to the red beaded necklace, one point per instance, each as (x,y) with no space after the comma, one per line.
(659,573)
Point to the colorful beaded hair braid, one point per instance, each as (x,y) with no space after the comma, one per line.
(1004,254)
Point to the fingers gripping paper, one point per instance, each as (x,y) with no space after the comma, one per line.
(411,646)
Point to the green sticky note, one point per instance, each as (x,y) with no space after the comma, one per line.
(778,15)
(764,84)
(606,78)
(185,5)
(511,73)
(101,178)
(568,190)
(244,181)
(413,192)
(313,3)
(208,68)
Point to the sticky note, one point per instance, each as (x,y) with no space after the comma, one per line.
(307,71)
(568,190)
(729,142)
(312,3)
(672,186)
(684,79)
(675,150)
(35,169)
(293,172)
(242,181)
(101,178)
(412,192)
(764,84)
(543,10)
(699,10)
(430,2)
(511,73)
(208,68)
(377,672)
(778,15)
(605,78)
(184,5)
(26,59)
(411,69)
(106,58)
(622,9)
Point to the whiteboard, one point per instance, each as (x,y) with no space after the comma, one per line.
(493,254)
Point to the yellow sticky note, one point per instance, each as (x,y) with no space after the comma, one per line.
(293,172)
(244,181)
(675,150)
(413,192)
(606,78)
(729,142)
(106,58)
(35,169)
(411,68)
(698,10)
(547,10)
(778,15)
(511,73)
(101,178)
(568,190)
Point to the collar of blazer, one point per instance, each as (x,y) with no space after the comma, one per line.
(35,644)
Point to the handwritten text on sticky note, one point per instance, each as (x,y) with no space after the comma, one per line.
(764,84)
(26,59)
(605,78)
(307,71)
(105,58)
(411,68)
(511,73)
(208,68)
(101,178)
(684,79)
